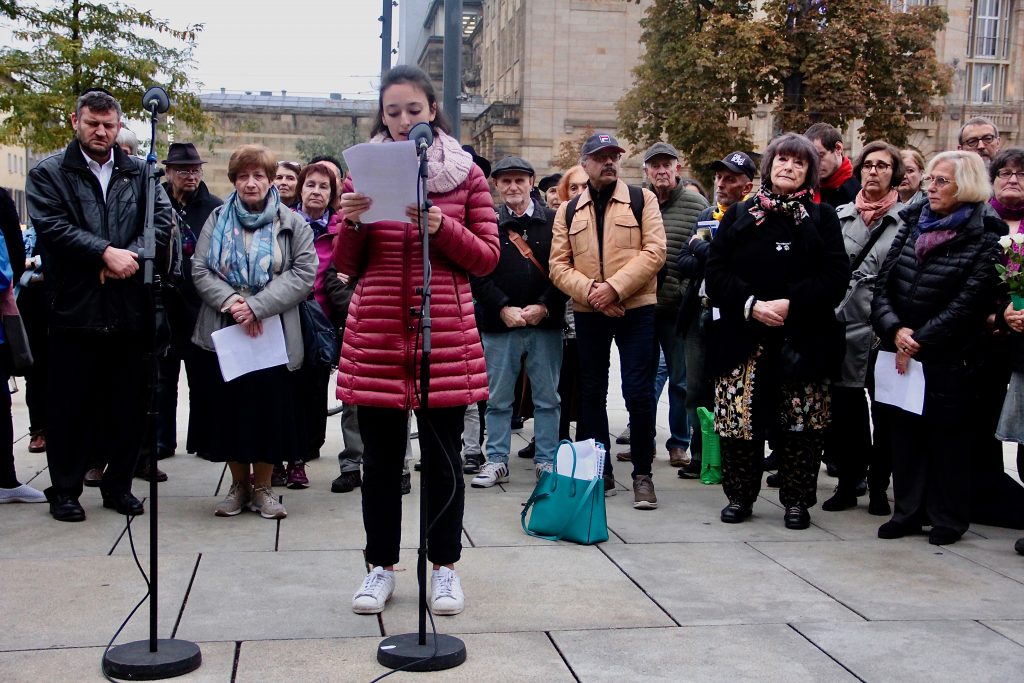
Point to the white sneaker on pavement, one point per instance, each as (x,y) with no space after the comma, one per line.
(542,467)
(491,473)
(377,588)
(446,593)
(22,494)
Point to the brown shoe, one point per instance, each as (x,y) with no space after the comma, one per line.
(143,473)
(678,457)
(37,444)
(93,477)
(644,497)
(624,456)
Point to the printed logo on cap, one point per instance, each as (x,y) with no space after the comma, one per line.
(738,159)
(604,138)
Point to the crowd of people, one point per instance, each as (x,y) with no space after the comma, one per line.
(772,306)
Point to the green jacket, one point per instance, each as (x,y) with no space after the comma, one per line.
(680,216)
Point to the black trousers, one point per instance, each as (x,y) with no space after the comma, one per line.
(930,483)
(384,437)
(850,444)
(313,414)
(799,455)
(8,476)
(97,401)
(33,307)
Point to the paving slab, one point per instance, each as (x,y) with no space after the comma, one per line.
(255,596)
(996,554)
(762,653)
(693,516)
(532,588)
(30,666)
(188,475)
(80,601)
(901,579)
(723,583)
(1012,629)
(29,531)
(187,526)
(497,659)
(919,650)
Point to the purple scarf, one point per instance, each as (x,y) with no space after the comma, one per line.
(933,230)
(1007,213)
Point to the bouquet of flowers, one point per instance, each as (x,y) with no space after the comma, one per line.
(1011,270)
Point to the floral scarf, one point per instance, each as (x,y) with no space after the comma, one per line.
(228,256)
(788,204)
(933,231)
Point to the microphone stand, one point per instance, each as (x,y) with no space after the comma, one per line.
(423,651)
(155,658)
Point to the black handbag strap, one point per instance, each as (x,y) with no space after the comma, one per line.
(875,234)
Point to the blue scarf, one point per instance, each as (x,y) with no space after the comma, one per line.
(933,231)
(227,243)
(319,225)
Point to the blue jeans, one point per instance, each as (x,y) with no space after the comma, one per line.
(634,337)
(504,353)
(673,351)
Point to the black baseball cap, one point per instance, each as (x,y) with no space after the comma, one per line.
(598,142)
(736,162)
(513,163)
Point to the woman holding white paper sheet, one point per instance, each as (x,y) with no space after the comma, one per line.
(933,294)
(253,260)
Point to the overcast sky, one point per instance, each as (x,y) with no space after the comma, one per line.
(302,46)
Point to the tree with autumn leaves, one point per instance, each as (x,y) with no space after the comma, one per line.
(707,64)
(67,47)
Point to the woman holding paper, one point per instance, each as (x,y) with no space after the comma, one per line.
(933,294)
(381,350)
(254,260)
(776,271)
(869,224)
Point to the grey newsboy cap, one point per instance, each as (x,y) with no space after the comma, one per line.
(512,163)
(660,148)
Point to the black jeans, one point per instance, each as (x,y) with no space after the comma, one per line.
(384,437)
(167,393)
(33,307)
(97,408)
(634,337)
(8,476)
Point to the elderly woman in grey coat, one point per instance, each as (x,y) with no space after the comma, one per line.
(253,260)
(869,225)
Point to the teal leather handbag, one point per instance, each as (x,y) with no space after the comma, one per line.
(567,508)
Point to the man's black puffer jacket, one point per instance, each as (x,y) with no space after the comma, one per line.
(75,225)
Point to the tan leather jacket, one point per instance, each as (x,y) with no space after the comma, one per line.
(633,254)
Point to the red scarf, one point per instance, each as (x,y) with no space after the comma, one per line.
(871,211)
(834,181)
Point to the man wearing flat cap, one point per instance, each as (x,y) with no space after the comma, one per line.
(679,211)
(192,204)
(519,313)
(607,246)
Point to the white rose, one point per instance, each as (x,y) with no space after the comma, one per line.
(1018,238)
(1005,241)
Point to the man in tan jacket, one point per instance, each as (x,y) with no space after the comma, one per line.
(607,247)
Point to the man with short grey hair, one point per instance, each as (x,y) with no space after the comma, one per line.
(981,136)
(85,206)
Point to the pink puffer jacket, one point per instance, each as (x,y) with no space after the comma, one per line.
(380,354)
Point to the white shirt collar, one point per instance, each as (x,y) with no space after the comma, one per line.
(103,171)
(528,212)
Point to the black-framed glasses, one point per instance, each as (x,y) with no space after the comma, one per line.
(938,181)
(879,166)
(1007,173)
(973,142)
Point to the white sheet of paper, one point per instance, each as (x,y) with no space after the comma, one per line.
(387,174)
(240,354)
(587,457)
(903,391)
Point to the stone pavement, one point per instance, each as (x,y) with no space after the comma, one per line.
(674,594)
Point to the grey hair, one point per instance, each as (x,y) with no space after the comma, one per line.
(97,101)
(126,138)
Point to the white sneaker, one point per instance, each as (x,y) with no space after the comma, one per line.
(491,473)
(542,467)
(22,494)
(377,589)
(446,592)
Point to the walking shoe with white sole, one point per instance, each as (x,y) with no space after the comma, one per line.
(542,467)
(266,503)
(446,593)
(644,497)
(22,494)
(375,591)
(238,498)
(491,473)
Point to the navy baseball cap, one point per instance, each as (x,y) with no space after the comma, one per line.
(598,142)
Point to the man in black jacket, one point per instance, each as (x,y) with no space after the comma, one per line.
(87,204)
(192,204)
(519,313)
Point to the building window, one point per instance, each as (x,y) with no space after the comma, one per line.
(904,5)
(988,51)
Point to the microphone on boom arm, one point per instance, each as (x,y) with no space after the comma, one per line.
(423,135)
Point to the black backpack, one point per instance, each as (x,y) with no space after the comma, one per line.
(636,205)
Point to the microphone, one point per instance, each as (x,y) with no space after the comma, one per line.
(156,98)
(423,135)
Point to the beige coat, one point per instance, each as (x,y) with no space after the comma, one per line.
(633,254)
(295,264)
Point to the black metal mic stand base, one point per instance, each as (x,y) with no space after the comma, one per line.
(404,651)
(134,662)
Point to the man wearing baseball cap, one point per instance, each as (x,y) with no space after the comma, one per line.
(679,211)
(607,247)
(519,313)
